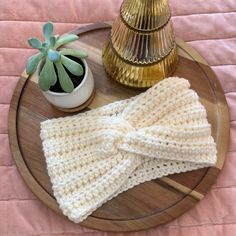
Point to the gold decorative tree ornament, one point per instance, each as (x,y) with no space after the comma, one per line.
(141,50)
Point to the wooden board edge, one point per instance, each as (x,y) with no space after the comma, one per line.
(91,27)
(25,173)
(197,57)
(148,222)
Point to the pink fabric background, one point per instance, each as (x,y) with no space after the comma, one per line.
(209,26)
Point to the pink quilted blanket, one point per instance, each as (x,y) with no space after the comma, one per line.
(209,26)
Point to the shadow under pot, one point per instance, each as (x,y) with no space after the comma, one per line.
(84,87)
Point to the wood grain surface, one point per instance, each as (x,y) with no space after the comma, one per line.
(149,204)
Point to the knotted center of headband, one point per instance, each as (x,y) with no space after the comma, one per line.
(112,139)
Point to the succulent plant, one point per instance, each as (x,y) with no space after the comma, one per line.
(53,59)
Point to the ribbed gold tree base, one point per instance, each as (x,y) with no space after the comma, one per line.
(141,50)
(137,76)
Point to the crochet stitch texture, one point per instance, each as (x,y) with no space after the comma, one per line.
(94,156)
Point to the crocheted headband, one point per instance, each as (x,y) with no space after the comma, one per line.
(94,156)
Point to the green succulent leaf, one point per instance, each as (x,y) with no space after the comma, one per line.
(43,50)
(74,53)
(47,77)
(44,82)
(33,62)
(35,43)
(50,71)
(65,39)
(54,55)
(74,67)
(52,41)
(45,44)
(48,30)
(64,78)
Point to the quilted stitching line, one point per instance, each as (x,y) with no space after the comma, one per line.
(86,22)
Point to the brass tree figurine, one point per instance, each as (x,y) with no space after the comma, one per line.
(141,50)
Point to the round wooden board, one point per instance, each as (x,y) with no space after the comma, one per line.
(149,204)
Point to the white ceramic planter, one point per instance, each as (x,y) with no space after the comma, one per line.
(78,97)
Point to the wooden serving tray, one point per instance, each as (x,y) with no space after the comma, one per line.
(149,204)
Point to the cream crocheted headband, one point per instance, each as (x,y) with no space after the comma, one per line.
(94,156)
